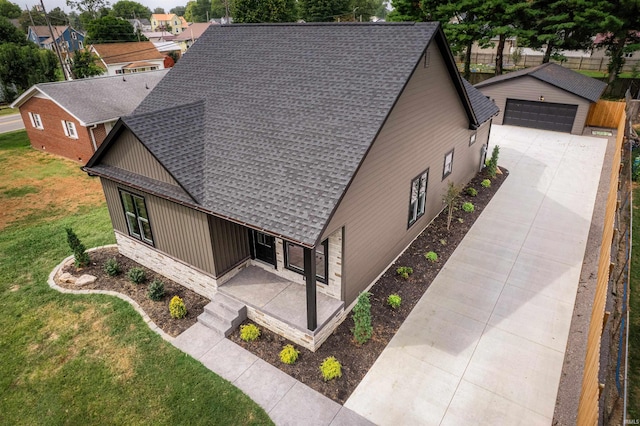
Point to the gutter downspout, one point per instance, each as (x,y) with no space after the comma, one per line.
(93,138)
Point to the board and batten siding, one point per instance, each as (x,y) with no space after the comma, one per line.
(427,122)
(230,244)
(128,153)
(178,231)
(530,89)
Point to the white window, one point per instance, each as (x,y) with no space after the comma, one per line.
(472,139)
(628,55)
(448,164)
(74,35)
(418,197)
(80,44)
(69,129)
(36,121)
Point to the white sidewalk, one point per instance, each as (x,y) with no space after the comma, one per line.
(486,343)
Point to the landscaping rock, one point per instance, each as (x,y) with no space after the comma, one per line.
(66,277)
(85,279)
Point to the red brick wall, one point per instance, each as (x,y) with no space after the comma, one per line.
(52,138)
(99,133)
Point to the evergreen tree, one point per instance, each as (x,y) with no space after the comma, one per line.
(324,10)
(406,10)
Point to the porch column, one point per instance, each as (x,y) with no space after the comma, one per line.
(310,278)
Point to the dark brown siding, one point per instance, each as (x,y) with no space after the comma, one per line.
(530,89)
(129,154)
(178,231)
(427,122)
(230,243)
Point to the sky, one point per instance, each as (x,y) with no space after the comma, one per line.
(62,4)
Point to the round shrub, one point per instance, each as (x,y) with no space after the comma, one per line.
(431,256)
(156,290)
(136,275)
(111,267)
(394,301)
(472,192)
(177,309)
(404,271)
(485,183)
(330,369)
(468,207)
(289,354)
(249,332)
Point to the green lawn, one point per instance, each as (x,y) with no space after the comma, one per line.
(633,402)
(601,74)
(7,111)
(68,359)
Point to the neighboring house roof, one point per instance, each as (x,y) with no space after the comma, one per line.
(97,100)
(115,53)
(183,22)
(193,31)
(274,120)
(559,76)
(159,35)
(166,46)
(162,16)
(43,30)
(484,108)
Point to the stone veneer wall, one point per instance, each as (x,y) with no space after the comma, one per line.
(333,288)
(165,265)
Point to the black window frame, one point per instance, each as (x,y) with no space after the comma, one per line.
(294,268)
(444,165)
(416,213)
(138,217)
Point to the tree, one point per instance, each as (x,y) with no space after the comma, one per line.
(406,10)
(248,11)
(219,8)
(324,10)
(22,66)
(129,9)
(93,7)
(197,11)
(110,30)
(9,10)
(365,9)
(57,16)
(9,33)
(159,10)
(450,200)
(84,64)
(178,10)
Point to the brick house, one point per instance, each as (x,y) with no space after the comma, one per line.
(72,118)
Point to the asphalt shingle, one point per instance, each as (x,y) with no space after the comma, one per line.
(483,107)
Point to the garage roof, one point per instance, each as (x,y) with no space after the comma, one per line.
(556,75)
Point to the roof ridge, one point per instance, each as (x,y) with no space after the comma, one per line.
(99,77)
(327,24)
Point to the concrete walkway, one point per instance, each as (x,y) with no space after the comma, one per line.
(486,343)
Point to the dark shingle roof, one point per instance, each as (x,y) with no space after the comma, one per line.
(559,76)
(277,117)
(482,105)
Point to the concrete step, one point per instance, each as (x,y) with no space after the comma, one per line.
(223,314)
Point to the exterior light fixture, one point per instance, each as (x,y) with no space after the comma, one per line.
(541,98)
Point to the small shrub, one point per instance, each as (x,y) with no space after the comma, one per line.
(431,256)
(486,183)
(404,271)
(136,275)
(330,368)
(177,309)
(289,354)
(80,255)
(468,207)
(450,199)
(156,290)
(111,267)
(362,330)
(394,301)
(249,332)
(492,166)
(472,192)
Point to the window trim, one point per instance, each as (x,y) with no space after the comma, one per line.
(418,213)
(70,129)
(444,165)
(36,120)
(285,249)
(140,237)
(472,138)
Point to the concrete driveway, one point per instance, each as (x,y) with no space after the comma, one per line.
(486,343)
(10,123)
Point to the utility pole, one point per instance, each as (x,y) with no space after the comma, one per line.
(55,45)
(30,17)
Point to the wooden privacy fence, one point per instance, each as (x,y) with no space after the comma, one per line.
(588,410)
(606,114)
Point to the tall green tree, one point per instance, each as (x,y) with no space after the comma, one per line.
(92,7)
(406,10)
(365,9)
(84,64)
(57,16)
(129,9)
(178,10)
(159,10)
(110,30)
(248,11)
(324,10)
(218,8)
(197,11)
(9,10)
(23,65)
(9,33)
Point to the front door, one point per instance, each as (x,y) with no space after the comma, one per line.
(263,247)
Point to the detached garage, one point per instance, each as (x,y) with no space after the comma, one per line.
(548,97)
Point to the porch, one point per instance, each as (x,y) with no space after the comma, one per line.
(281,305)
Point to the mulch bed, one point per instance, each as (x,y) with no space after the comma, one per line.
(157,311)
(357,359)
